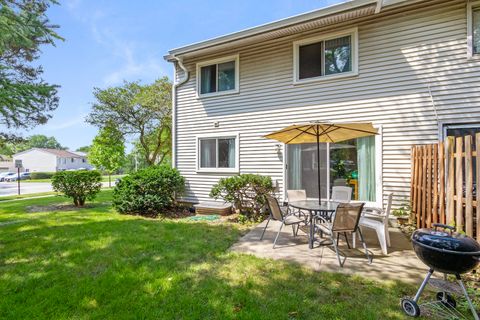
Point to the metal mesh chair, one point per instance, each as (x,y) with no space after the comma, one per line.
(287,218)
(344,221)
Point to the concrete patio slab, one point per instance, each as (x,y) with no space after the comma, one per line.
(400,263)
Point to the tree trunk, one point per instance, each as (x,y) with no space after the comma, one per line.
(109,180)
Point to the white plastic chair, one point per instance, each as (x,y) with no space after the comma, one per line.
(377,219)
(341,194)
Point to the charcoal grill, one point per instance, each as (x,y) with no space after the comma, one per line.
(446,251)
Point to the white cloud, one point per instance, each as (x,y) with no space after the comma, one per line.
(79,119)
(134,63)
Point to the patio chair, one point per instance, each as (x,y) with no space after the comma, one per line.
(341,194)
(377,219)
(343,222)
(297,195)
(287,218)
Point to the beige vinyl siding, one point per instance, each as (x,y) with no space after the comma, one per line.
(400,55)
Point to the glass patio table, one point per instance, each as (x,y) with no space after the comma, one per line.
(326,207)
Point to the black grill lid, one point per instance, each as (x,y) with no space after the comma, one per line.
(445,239)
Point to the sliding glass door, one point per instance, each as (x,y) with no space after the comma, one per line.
(302,166)
(350,163)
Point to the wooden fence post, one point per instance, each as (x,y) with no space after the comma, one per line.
(468,187)
(477,196)
(435,184)
(441,159)
(459,184)
(424,187)
(450,180)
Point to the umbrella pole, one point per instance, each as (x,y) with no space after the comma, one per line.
(318,170)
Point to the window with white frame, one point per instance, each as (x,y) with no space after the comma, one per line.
(217,153)
(325,57)
(219,76)
(473,29)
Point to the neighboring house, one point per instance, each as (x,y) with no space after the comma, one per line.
(412,68)
(6,164)
(51,160)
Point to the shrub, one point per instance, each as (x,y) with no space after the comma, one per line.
(78,185)
(148,192)
(247,193)
(41,175)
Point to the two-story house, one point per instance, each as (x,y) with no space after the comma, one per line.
(412,68)
(51,160)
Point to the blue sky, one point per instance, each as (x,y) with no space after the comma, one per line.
(109,41)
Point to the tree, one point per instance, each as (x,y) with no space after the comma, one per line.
(26,99)
(34,141)
(141,111)
(84,149)
(108,150)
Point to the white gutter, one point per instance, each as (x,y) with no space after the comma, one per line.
(176,84)
(379,6)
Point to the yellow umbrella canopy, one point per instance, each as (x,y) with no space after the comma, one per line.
(326,132)
(316,132)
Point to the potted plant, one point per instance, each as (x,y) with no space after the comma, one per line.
(402,213)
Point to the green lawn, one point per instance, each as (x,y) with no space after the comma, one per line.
(96,264)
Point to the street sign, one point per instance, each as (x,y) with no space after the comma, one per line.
(18,163)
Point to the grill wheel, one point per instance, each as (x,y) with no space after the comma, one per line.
(410,307)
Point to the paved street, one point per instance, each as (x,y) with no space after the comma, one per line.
(10,188)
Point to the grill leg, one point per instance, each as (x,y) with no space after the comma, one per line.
(424,284)
(470,304)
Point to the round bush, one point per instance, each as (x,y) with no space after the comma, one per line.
(148,192)
(78,185)
(247,192)
(41,175)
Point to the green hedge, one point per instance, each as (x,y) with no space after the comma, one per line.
(148,192)
(41,175)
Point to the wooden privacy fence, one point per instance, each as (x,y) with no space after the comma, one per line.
(443,184)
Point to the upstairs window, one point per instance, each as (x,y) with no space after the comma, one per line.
(326,57)
(476,29)
(473,29)
(218,76)
(217,154)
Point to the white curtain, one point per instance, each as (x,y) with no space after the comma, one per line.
(208,153)
(231,153)
(366,168)
(294,166)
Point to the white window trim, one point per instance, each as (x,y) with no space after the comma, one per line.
(296,69)
(222,135)
(235,58)
(470,6)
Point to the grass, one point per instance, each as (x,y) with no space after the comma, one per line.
(93,263)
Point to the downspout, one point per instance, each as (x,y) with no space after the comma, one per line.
(176,84)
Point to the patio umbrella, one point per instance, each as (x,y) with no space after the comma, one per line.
(316,132)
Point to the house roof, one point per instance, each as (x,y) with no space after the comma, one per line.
(56,152)
(345,11)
